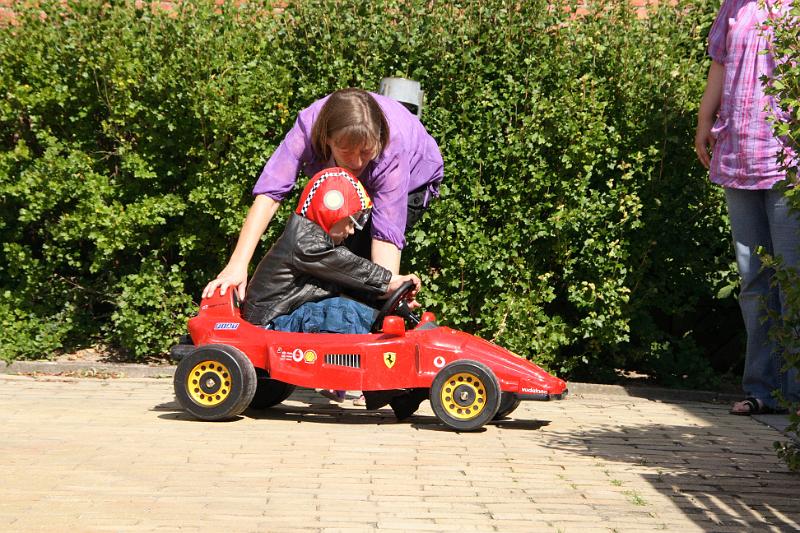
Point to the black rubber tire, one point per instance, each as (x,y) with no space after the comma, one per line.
(269,392)
(508,403)
(241,387)
(443,382)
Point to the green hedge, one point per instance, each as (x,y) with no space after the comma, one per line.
(785,87)
(575,225)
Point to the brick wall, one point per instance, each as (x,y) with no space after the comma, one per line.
(8,18)
(641,6)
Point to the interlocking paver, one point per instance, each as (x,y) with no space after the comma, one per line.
(119,455)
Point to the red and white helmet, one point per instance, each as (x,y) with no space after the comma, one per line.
(331,195)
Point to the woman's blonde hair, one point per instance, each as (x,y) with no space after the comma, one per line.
(351,118)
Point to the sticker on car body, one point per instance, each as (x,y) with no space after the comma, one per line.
(297,355)
(529,390)
(227,325)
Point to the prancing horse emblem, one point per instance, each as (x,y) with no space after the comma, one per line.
(389,358)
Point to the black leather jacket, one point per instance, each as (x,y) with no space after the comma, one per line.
(305,266)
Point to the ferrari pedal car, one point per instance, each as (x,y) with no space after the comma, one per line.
(227,365)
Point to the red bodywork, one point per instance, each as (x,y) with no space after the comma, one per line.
(375,361)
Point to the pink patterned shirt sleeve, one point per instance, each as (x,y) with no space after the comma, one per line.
(746,153)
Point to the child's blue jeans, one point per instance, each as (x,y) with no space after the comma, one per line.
(332,315)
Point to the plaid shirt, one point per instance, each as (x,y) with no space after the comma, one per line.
(745,156)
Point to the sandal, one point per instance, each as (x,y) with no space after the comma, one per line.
(754,406)
(360,401)
(335,395)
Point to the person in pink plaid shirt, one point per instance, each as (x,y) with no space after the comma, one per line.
(735,141)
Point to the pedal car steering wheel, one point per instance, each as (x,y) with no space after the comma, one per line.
(396,304)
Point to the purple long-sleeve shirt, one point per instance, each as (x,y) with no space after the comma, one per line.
(745,155)
(411,160)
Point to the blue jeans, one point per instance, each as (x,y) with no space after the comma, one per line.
(332,315)
(761,218)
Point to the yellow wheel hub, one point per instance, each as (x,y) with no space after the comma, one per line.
(463,396)
(209,383)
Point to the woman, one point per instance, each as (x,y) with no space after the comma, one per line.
(733,122)
(375,138)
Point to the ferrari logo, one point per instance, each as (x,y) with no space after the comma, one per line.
(389,358)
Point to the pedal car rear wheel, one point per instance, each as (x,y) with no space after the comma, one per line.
(215,382)
(508,403)
(269,392)
(465,395)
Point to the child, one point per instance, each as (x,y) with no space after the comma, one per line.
(306,281)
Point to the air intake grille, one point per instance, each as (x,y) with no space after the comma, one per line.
(353,360)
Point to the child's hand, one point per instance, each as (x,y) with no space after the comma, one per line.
(398,280)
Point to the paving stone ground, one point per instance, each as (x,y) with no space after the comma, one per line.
(119,455)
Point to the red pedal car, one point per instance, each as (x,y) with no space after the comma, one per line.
(233,364)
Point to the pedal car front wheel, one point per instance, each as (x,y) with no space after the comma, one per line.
(465,395)
(215,382)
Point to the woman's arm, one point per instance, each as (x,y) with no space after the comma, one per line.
(709,105)
(276,181)
(386,255)
(235,272)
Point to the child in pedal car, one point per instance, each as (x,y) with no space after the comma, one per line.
(306,281)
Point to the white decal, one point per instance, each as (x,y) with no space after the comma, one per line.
(528,390)
(226,325)
(333,200)
(439,362)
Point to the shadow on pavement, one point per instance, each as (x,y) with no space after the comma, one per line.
(324,413)
(186,417)
(529,425)
(438,426)
(706,470)
(168,406)
(330,414)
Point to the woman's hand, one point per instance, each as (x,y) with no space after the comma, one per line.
(397,280)
(230,277)
(704,142)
